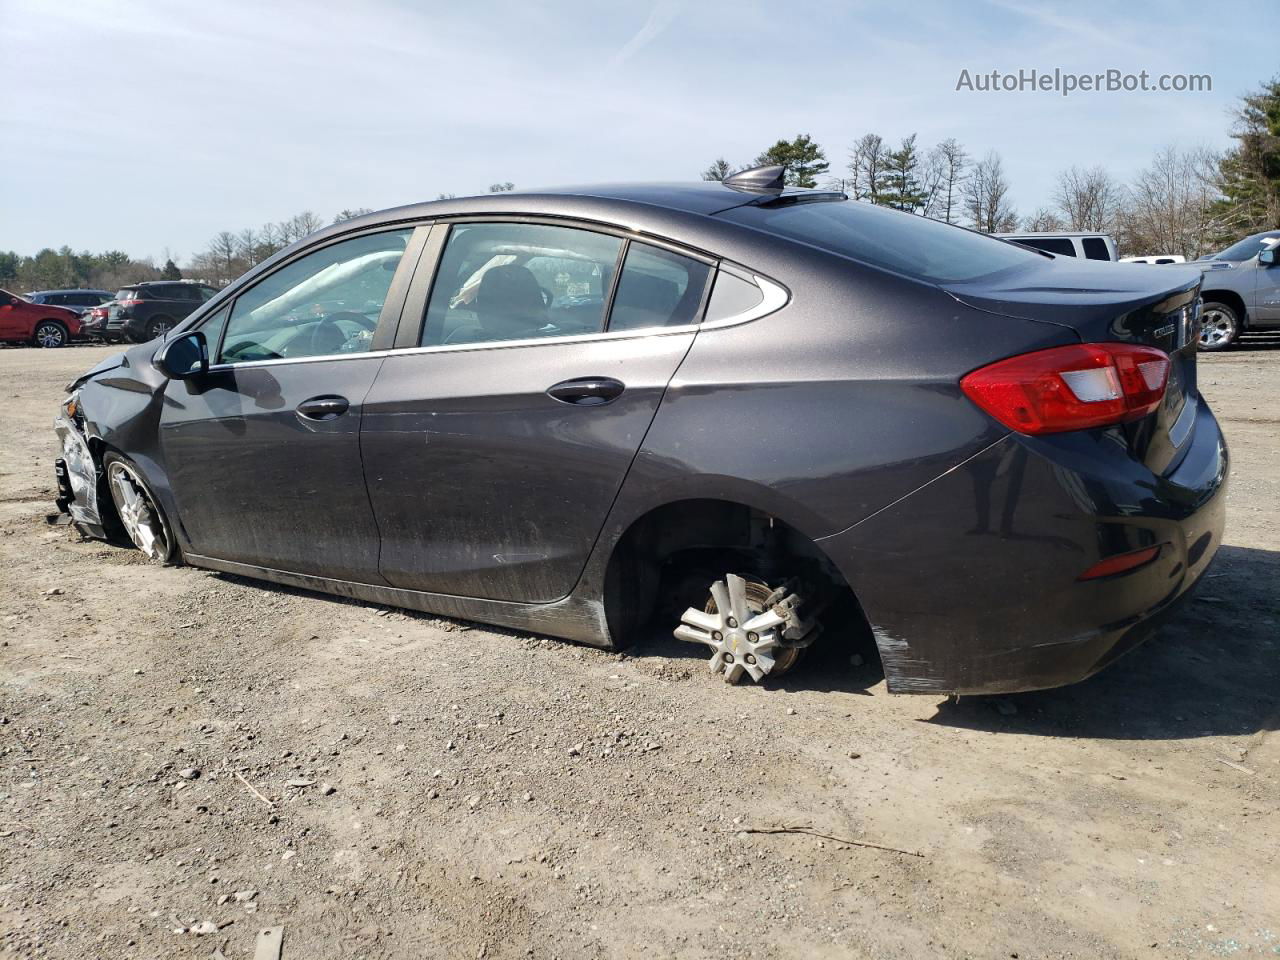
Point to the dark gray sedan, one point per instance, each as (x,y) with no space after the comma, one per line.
(583,411)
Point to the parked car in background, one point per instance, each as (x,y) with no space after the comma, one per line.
(81,301)
(739,411)
(1240,293)
(41,324)
(1083,246)
(1238,252)
(1156,258)
(145,311)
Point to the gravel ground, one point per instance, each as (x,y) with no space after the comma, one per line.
(188,758)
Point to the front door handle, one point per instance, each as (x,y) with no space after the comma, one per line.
(323,408)
(587,391)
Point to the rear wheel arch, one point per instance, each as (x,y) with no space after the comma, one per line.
(668,556)
(1232,300)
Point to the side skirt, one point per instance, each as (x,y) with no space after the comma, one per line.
(574,619)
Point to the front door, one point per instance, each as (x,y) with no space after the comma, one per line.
(1267,293)
(494,451)
(263,452)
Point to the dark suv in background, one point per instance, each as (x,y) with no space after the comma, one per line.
(145,311)
(81,301)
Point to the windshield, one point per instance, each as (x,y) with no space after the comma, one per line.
(902,242)
(1245,248)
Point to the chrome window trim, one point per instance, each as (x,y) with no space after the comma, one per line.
(775,298)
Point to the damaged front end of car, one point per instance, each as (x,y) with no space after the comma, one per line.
(78,473)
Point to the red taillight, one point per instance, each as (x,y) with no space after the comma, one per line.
(130,303)
(1121,563)
(1071,388)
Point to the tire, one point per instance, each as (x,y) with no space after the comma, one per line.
(145,525)
(159,326)
(1219,327)
(49,334)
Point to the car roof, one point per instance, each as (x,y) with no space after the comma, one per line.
(1053,233)
(35,293)
(606,200)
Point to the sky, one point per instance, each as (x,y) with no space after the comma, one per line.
(150,126)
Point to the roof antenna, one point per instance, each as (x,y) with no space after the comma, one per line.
(766,179)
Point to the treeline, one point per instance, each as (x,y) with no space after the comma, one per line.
(1186,201)
(59,269)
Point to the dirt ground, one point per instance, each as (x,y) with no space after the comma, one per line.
(182,751)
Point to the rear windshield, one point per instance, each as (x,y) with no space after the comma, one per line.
(902,242)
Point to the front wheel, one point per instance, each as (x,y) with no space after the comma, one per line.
(49,333)
(1219,327)
(140,514)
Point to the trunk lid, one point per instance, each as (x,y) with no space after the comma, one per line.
(1114,302)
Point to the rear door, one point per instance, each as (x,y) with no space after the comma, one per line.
(495,444)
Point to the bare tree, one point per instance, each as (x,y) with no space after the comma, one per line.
(1171,205)
(504,187)
(719,170)
(868,165)
(986,197)
(1043,220)
(351,214)
(945,174)
(1088,199)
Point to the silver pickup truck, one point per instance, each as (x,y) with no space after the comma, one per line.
(1241,290)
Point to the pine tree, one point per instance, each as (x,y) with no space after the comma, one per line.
(803,158)
(170,271)
(904,190)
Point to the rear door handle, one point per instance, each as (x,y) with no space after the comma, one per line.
(323,408)
(587,391)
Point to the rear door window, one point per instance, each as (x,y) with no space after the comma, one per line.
(1062,246)
(657,288)
(1095,248)
(517,281)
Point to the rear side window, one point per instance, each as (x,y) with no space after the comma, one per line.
(516,281)
(129,293)
(1095,248)
(657,288)
(732,296)
(902,242)
(1062,246)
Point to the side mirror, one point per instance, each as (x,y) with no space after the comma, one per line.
(1267,257)
(183,357)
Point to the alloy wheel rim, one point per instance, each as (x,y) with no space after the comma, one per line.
(49,336)
(1215,329)
(139,515)
(160,328)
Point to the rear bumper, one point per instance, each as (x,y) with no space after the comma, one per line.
(971,583)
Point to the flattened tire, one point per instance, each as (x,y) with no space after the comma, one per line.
(143,519)
(49,334)
(1219,327)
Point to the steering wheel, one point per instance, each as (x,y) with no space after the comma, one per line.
(357,318)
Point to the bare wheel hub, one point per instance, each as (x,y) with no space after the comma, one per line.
(138,514)
(741,629)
